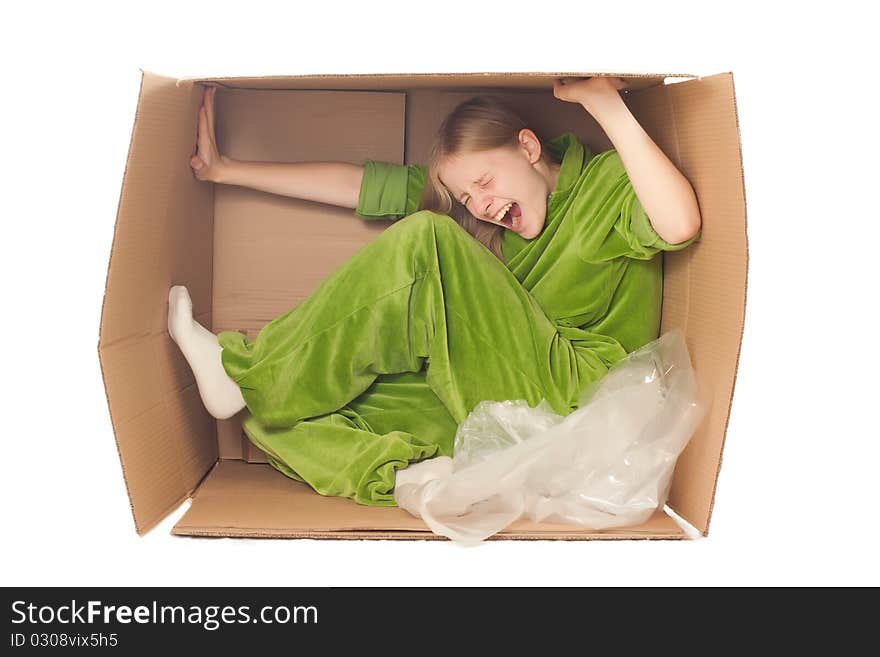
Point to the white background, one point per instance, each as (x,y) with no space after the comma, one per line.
(797,498)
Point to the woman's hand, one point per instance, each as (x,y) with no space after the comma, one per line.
(592,93)
(666,195)
(207,163)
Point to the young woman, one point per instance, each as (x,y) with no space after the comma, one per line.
(549,277)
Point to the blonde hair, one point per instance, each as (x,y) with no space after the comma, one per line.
(479,124)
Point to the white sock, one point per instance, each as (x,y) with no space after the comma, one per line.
(220,394)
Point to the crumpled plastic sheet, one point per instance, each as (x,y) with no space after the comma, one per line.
(607,464)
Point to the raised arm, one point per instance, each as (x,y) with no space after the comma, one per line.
(666,195)
(336,183)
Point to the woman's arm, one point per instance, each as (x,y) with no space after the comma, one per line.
(665,194)
(337,183)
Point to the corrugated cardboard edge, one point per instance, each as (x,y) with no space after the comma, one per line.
(745,305)
(373,76)
(360,535)
(143,523)
(658,110)
(701,524)
(140,529)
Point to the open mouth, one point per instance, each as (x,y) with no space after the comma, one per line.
(509,216)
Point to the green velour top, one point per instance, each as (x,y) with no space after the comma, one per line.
(593,265)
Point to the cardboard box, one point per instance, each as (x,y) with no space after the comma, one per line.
(248,256)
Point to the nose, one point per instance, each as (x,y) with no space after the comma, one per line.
(482,203)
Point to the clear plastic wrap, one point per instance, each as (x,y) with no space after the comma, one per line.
(607,464)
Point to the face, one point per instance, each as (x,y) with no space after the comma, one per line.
(507,186)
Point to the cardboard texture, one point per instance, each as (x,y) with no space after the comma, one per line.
(247,256)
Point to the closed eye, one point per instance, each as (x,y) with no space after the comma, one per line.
(483,183)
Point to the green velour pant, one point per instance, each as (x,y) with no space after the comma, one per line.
(379,365)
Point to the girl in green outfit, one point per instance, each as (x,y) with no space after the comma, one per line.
(547,276)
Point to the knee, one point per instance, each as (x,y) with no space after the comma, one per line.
(426,220)
(426,227)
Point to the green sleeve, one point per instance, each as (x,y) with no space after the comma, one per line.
(613,223)
(639,231)
(390,191)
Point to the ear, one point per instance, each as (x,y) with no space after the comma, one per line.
(531,145)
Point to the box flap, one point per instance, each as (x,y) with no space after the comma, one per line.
(695,123)
(245,499)
(163,235)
